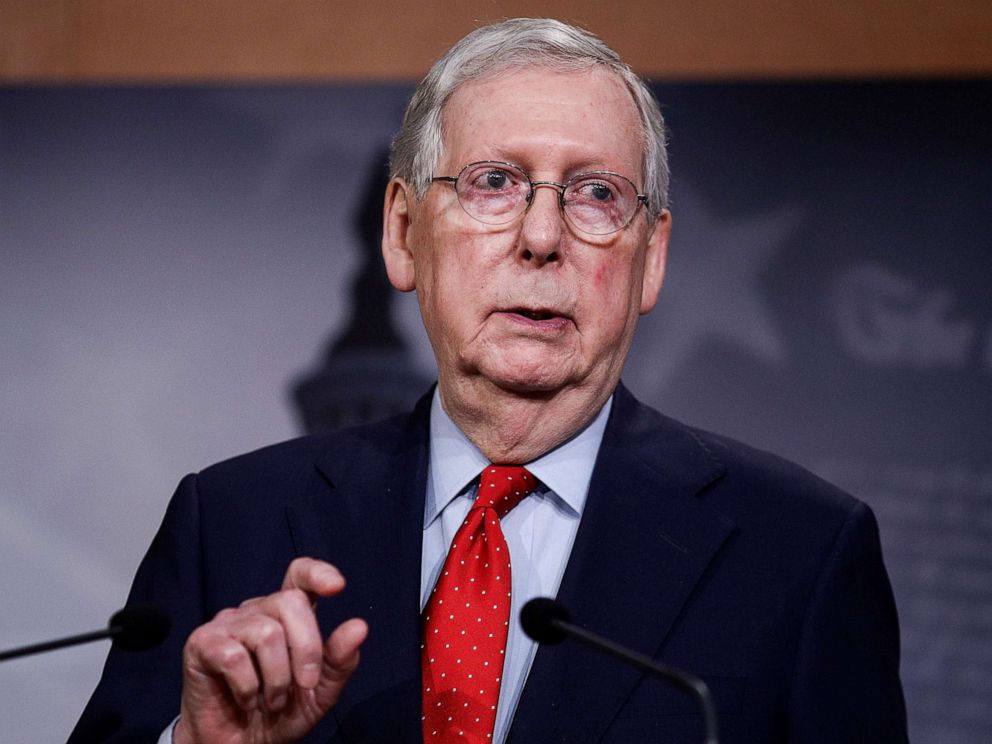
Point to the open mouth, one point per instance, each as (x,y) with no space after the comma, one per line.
(534,314)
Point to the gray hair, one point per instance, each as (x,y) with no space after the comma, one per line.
(508,45)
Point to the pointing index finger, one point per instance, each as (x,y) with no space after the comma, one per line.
(316,578)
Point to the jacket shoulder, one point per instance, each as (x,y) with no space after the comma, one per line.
(745,480)
(284,464)
(773,478)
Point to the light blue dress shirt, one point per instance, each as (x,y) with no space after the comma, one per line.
(539,531)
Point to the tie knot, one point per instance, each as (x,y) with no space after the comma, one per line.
(502,487)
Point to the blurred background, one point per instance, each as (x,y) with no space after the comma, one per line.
(189,207)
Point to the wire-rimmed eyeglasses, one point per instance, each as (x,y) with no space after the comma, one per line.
(496,193)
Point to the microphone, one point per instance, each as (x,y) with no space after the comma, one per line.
(134,628)
(546,621)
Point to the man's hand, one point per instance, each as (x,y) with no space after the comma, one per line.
(262,672)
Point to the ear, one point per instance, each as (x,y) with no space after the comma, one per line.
(396,223)
(654,261)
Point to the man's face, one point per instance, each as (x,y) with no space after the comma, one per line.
(532,307)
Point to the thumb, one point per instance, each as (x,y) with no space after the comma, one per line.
(340,660)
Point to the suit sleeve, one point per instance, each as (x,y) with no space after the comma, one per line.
(846,683)
(139,692)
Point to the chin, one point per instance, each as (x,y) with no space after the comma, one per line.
(528,380)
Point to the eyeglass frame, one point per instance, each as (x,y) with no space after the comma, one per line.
(561,188)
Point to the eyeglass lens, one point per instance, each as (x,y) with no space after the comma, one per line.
(496,193)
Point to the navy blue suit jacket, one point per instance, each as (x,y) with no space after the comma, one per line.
(728,562)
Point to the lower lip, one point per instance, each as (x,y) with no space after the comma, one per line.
(555,323)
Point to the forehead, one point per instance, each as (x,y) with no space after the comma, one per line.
(544,119)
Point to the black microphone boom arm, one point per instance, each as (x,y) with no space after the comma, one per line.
(135,628)
(546,621)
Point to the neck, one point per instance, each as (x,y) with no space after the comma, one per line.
(514,429)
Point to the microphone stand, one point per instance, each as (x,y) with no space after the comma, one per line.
(546,621)
(134,628)
(685,682)
(38,648)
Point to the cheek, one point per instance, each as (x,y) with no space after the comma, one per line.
(452,278)
(613,296)
(600,278)
(610,280)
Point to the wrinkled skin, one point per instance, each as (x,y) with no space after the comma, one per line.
(518,386)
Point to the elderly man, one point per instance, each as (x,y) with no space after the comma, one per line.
(528,211)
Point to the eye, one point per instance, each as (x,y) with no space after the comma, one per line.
(600,191)
(496,179)
(491,179)
(595,191)
(492,192)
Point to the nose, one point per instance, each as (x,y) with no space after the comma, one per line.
(542,230)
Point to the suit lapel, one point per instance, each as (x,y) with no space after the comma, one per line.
(365,516)
(643,544)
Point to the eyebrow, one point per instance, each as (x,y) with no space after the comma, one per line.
(498,154)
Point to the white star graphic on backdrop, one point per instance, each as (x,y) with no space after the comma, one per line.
(712,289)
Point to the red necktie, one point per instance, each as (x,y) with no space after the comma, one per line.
(467,616)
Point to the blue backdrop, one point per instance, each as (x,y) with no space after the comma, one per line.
(177,254)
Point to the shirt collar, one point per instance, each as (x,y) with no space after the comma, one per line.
(455,462)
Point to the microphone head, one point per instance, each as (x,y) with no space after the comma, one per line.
(538,620)
(139,627)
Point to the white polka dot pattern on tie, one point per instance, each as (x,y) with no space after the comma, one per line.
(463,647)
